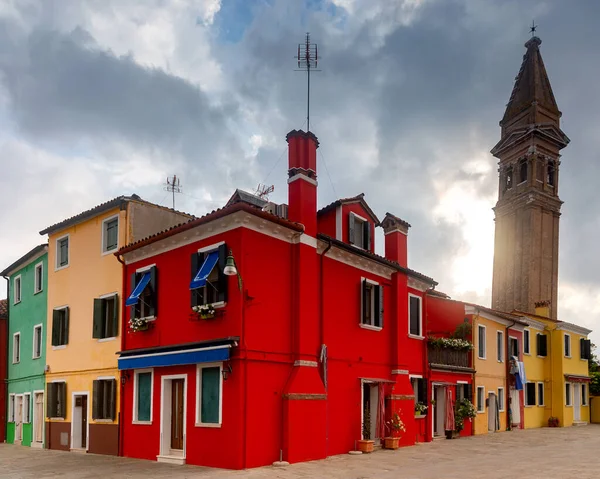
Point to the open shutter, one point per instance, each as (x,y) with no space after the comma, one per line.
(367,235)
(223,279)
(113,399)
(423,391)
(51,400)
(154,285)
(380,309)
(62,391)
(96,400)
(351,228)
(582,348)
(194,266)
(589,348)
(67,325)
(115,325)
(98,319)
(55,327)
(364,292)
(132,284)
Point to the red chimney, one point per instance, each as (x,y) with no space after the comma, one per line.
(396,239)
(302,179)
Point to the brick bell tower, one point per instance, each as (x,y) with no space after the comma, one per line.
(528,209)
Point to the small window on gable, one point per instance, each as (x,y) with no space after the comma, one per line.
(143,300)
(62,252)
(359,231)
(209,282)
(110,234)
(522,171)
(372,304)
(38,278)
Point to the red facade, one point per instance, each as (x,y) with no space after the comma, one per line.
(313,337)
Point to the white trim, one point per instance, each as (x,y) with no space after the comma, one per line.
(503,408)
(58,381)
(11,410)
(338,223)
(35,443)
(482,405)
(307,240)
(211,247)
(500,352)
(19,289)
(15,359)
(300,176)
(57,348)
(370,327)
(474,310)
(87,432)
(528,353)
(108,295)
(106,378)
(418,284)
(573,328)
(358,217)
(566,335)
(400,371)
(39,265)
(57,308)
(137,372)
(484,341)
(162,451)
(22,265)
(104,252)
(532,323)
(462,382)
(145,268)
(57,267)
(420,335)
(106,340)
(304,363)
(41,327)
(415,376)
(413,336)
(28,394)
(355,261)
(199,367)
(538,393)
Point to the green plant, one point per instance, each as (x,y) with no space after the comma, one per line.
(462,331)
(450,343)
(463,409)
(420,408)
(595,383)
(366,425)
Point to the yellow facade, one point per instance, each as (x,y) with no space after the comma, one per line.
(537,370)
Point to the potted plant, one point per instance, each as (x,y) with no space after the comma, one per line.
(420,409)
(553,421)
(366,445)
(463,410)
(138,324)
(206,311)
(396,428)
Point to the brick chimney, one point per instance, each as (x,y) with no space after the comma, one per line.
(396,239)
(302,179)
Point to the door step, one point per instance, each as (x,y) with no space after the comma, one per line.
(179,460)
(580,423)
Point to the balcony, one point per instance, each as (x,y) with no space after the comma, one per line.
(453,358)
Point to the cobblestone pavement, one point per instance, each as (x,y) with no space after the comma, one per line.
(539,453)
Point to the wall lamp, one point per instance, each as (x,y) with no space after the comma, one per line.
(230,268)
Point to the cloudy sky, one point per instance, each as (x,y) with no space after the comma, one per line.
(101,98)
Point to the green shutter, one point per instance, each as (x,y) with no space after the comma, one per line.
(223,278)
(66,325)
(423,391)
(97,329)
(115,323)
(112,409)
(51,400)
(55,328)
(96,400)
(62,392)
(144,394)
(211,381)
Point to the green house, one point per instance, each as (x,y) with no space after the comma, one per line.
(27,303)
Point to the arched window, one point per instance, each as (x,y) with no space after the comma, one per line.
(523,171)
(551,173)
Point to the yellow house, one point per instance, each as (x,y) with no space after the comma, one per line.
(85,282)
(496,337)
(565,351)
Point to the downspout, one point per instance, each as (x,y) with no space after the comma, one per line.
(507,397)
(123,376)
(322,327)
(426,369)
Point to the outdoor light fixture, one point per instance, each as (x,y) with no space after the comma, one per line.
(226,372)
(230,269)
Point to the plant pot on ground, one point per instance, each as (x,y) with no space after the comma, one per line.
(396,427)
(366,445)
(391,442)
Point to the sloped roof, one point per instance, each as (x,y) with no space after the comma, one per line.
(23,260)
(347,201)
(244,196)
(118,202)
(501,314)
(3,309)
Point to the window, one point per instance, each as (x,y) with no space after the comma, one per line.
(568,401)
(415,316)
(550,177)
(11,408)
(501,399)
(56,401)
(143,299)
(500,345)
(37,341)
(210,391)
(480,399)
(142,400)
(62,252)
(481,341)
(60,327)
(583,394)
(513,347)
(542,345)
(38,283)
(16,348)
(419,386)
(530,394)
(567,345)
(104,399)
(372,304)
(508,178)
(539,171)
(585,349)
(540,392)
(17,289)
(359,231)
(106,317)
(464,391)
(26,407)
(110,234)
(523,171)
(209,282)
(526,339)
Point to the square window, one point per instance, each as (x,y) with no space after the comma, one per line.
(38,278)
(17,290)
(37,341)
(359,231)
(540,390)
(480,399)
(142,408)
(62,252)
(104,399)
(530,394)
(415,316)
(209,394)
(16,348)
(106,317)
(110,234)
(481,341)
(372,304)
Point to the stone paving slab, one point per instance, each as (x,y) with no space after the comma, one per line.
(546,453)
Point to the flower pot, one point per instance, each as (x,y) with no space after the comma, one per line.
(391,442)
(207,315)
(449,434)
(366,446)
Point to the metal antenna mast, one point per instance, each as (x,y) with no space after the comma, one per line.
(307,61)
(173,186)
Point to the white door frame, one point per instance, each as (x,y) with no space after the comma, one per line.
(576,401)
(165,415)
(88,407)
(18,416)
(35,419)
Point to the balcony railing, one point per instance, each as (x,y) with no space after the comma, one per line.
(448,357)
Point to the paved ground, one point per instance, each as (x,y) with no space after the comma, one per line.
(540,453)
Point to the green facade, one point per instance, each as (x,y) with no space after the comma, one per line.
(26,376)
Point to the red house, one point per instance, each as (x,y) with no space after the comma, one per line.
(264,332)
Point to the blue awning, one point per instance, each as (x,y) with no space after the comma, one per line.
(206,268)
(135,294)
(176,358)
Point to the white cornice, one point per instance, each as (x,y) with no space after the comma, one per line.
(532,323)
(357,261)
(573,328)
(469,309)
(417,284)
(28,262)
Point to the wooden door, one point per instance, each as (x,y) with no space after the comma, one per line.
(84,422)
(177,413)
(19,418)
(38,417)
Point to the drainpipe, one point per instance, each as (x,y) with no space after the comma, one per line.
(322,321)
(122,396)
(507,398)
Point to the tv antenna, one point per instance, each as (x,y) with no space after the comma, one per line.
(173,186)
(263,191)
(307,61)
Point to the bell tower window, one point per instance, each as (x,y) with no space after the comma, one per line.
(539,171)
(523,171)
(551,173)
(508,178)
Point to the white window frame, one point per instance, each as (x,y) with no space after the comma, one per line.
(570,345)
(514,338)
(199,369)
(527,333)
(420,335)
(584,393)
(11,408)
(209,249)
(41,328)
(480,404)
(500,351)
(103,250)
(568,397)
(18,290)
(15,359)
(543,395)
(57,266)
(38,288)
(359,219)
(28,409)
(374,313)
(484,341)
(502,406)
(137,372)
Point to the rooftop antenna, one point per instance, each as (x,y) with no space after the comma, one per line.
(533,28)
(173,186)
(263,191)
(307,61)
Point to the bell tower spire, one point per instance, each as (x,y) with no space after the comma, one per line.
(528,209)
